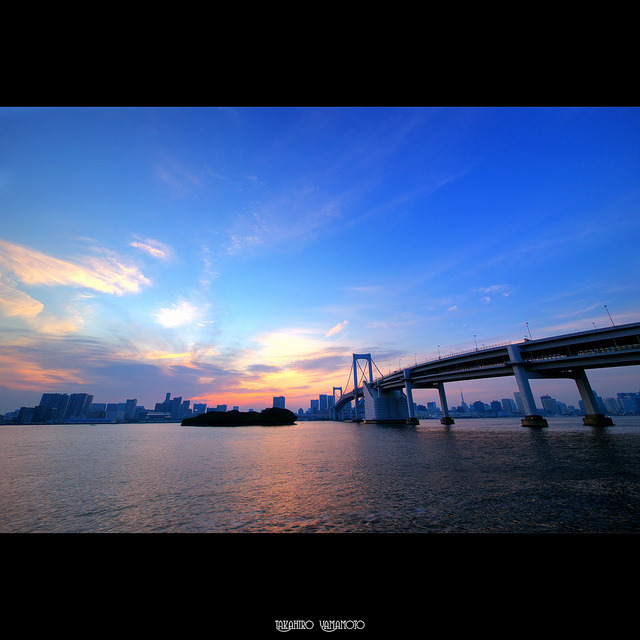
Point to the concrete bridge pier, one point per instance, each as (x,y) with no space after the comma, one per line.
(593,418)
(446,418)
(531,418)
(385,407)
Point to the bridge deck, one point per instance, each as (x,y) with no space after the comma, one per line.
(557,356)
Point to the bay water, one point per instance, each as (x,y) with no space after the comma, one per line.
(476,476)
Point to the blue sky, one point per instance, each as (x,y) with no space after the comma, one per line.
(232,254)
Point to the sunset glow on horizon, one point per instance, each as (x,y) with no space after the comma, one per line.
(230,255)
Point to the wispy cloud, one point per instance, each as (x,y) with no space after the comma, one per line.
(176,175)
(292,219)
(209,272)
(46,323)
(341,326)
(22,267)
(16,303)
(297,359)
(18,371)
(242,241)
(496,289)
(364,289)
(179,314)
(154,248)
(107,273)
(586,324)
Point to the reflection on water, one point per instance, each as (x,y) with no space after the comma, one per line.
(473,476)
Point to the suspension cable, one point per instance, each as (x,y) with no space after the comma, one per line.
(346,388)
(376,366)
(363,373)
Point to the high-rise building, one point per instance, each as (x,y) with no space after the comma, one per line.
(612,405)
(166,405)
(176,408)
(478,406)
(549,404)
(26,414)
(43,413)
(79,404)
(97,410)
(519,401)
(56,406)
(111,411)
(630,401)
(59,401)
(278,401)
(130,409)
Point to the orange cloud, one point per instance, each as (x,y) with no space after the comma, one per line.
(294,363)
(21,373)
(105,274)
(16,303)
(58,326)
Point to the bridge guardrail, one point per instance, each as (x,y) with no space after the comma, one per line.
(586,352)
(558,356)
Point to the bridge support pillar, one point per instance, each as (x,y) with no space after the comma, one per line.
(386,407)
(593,418)
(446,418)
(531,418)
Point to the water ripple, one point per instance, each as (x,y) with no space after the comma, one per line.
(321,477)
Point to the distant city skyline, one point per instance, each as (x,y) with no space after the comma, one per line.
(80,405)
(240,254)
(485,390)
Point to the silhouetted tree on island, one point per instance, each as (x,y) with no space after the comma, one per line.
(268,417)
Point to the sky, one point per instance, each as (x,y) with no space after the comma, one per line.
(232,254)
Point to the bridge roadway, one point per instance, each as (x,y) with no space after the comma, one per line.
(564,356)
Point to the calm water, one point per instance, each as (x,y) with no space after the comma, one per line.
(475,476)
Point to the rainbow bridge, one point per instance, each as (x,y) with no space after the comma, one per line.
(388,398)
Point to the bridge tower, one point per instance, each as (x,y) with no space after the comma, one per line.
(356,357)
(387,407)
(333,411)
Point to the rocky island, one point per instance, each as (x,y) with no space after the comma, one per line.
(272,417)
